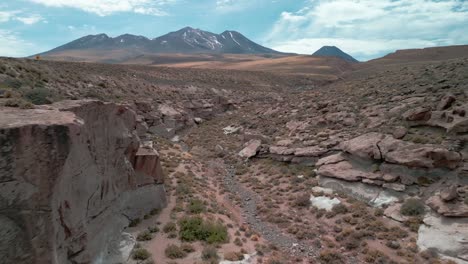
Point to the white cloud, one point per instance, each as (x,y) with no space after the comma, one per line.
(230,6)
(13,46)
(108,7)
(369,28)
(6,16)
(30,20)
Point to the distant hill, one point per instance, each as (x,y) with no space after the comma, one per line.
(332,51)
(185,41)
(423,55)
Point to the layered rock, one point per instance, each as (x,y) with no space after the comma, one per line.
(71,178)
(306,155)
(166,119)
(250,149)
(380,159)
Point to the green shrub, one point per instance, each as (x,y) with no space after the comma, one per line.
(187,248)
(331,256)
(196,206)
(18,102)
(170,227)
(340,209)
(174,252)
(412,207)
(302,200)
(195,228)
(144,236)
(153,229)
(155,211)
(134,222)
(210,254)
(141,254)
(38,96)
(233,256)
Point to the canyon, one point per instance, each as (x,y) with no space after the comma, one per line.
(107,163)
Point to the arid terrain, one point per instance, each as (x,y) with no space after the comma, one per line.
(243,159)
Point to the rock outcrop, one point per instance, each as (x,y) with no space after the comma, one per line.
(166,119)
(380,159)
(72,176)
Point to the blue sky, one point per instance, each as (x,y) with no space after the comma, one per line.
(364,28)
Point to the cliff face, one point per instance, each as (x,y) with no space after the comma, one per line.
(71,178)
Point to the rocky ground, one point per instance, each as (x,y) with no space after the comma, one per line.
(264,168)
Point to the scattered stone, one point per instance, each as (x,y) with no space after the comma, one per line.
(446,102)
(394,212)
(198,120)
(321,190)
(251,149)
(417,114)
(449,194)
(399,132)
(231,130)
(450,209)
(323,202)
(395,186)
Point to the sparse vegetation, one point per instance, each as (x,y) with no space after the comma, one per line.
(195,228)
(210,254)
(174,252)
(141,254)
(412,207)
(196,206)
(144,236)
(331,256)
(170,227)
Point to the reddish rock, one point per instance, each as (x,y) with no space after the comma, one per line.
(346,171)
(309,151)
(450,209)
(399,132)
(424,156)
(446,102)
(417,114)
(69,182)
(449,194)
(147,165)
(364,146)
(251,149)
(281,150)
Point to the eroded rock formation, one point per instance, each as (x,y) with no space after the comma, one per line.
(72,176)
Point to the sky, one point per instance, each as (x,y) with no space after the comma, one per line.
(365,29)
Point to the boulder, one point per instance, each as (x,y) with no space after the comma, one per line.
(345,170)
(399,132)
(424,156)
(364,146)
(449,194)
(231,130)
(446,102)
(417,114)
(393,212)
(72,179)
(281,150)
(251,149)
(450,209)
(335,158)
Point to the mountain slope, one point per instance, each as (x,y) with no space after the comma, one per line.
(186,40)
(332,51)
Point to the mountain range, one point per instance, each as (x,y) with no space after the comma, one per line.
(186,40)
